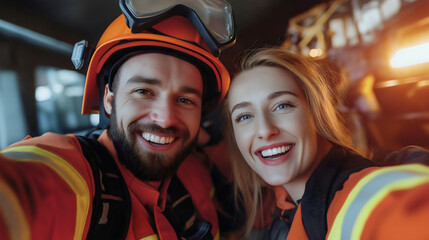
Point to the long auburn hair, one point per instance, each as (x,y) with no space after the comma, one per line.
(324,91)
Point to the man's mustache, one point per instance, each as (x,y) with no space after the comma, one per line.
(153,128)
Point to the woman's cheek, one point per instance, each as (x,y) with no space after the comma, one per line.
(242,139)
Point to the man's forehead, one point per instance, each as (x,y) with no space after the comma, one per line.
(153,58)
(159,69)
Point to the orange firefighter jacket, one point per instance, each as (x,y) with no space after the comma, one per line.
(373,203)
(47,187)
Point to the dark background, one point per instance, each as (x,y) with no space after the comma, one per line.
(259,22)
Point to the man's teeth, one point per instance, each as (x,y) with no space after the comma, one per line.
(275,151)
(157,139)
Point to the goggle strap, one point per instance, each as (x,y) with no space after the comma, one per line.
(154,31)
(177,10)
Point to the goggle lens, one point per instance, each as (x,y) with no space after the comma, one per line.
(216,15)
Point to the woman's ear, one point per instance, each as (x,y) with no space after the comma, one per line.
(107,100)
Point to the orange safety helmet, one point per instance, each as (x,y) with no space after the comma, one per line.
(175,36)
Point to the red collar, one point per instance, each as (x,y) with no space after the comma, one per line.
(283,199)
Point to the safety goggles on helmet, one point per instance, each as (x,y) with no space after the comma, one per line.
(213,19)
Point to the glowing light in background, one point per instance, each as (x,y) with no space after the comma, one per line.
(94,119)
(411,56)
(316,52)
(43,93)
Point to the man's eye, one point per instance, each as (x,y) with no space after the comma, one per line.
(185,101)
(143,91)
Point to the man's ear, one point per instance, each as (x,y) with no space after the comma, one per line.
(108,99)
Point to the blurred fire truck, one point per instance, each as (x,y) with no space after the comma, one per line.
(382,47)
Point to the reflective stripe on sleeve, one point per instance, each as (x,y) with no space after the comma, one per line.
(212,192)
(217,237)
(369,192)
(63,169)
(151,237)
(13,214)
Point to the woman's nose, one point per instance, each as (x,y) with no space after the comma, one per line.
(266,127)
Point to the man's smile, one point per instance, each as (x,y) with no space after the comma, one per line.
(157,139)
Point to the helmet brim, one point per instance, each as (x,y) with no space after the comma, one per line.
(91,98)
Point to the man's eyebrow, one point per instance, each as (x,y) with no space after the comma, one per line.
(192,90)
(186,89)
(138,79)
(280,93)
(239,105)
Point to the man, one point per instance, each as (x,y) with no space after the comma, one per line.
(152,77)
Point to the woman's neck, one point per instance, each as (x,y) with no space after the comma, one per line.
(296,188)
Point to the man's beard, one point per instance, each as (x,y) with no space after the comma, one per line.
(148,165)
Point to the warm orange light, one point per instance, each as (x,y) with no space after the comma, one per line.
(315,52)
(410,56)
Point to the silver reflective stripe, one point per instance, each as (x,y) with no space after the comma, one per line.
(366,193)
(25,156)
(370,190)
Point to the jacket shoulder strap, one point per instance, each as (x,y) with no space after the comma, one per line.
(111,209)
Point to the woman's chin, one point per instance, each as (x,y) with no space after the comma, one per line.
(275,181)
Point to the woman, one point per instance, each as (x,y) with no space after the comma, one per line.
(285,131)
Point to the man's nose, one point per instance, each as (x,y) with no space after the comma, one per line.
(266,127)
(163,114)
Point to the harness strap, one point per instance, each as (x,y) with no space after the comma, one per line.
(111,210)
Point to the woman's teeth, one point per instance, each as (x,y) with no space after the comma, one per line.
(157,139)
(276,151)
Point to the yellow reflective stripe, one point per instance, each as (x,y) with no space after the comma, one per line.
(212,192)
(217,237)
(155,237)
(368,193)
(151,237)
(63,169)
(377,198)
(13,214)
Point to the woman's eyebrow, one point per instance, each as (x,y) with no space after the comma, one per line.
(239,105)
(280,93)
(270,96)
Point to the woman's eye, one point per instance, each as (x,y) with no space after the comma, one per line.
(283,106)
(243,117)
